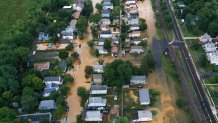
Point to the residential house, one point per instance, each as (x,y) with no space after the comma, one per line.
(98,89)
(76,15)
(144,97)
(136,49)
(105,34)
(50,88)
(134,27)
(105,21)
(115,40)
(130,1)
(43,36)
(101,50)
(114,51)
(104,27)
(42,66)
(135,34)
(143,116)
(132,15)
(53,79)
(133,21)
(97,79)
(127,39)
(68,32)
(35,118)
(205,38)
(47,105)
(138,80)
(101,41)
(136,41)
(105,13)
(64,43)
(93,116)
(180,3)
(80,3)
(63,65)
(132,5)
(77,7)
(97,102)
(213,57)
(116,21)
(108,5)
(98,68)
(133,10)
(209,47)
(73,23)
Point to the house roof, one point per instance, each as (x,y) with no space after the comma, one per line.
(35,117)
(93,115)
(144,96)
(42,66)
(98,87)
(134,25)
(105,20)
(63,64)
(136,39)
(133,10)
(76,15)
(107,4)
(144,114)
(47,104)
(65,41)
(49,90)
(73,22)
(53,78)
(98,66)
(43,36)
(97,100)
(138,78)
(106,32)
(97,76)
(137,47)
(114,49)
(105,11)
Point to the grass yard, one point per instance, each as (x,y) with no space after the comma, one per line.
(213,90)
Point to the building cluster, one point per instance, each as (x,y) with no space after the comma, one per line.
(210,46)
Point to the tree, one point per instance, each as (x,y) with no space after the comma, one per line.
(213,29)
(107,44)
(124,27)
(7,115)
(125,72)
(88,8)
(69,47)
(97,53)
(90,43)
(33,82)
(63,54)
(115,13)
(75,55)
(83,93)
(29,99)
(122,120)
(81,26)
(98,6)
(95,18)
(88,70)
(64,89)
(115,2)
(143,26)
(68,78)
(147,63)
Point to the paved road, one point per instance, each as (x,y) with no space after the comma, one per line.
(192,71)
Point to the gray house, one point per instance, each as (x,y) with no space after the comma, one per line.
(105,13)
(53,79)
(96,102)
(138,80)
(63,65)
(47,105)
(144,97)
(93,116)
(143,116)
(105,21)
(98,89)
(97,79)
(136,49)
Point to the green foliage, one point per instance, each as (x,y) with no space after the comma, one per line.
(81,26)
(147,63)
(115,13)
(69,47)
(97,53)
(88,70)
(180,103)
(122,120)
(143,44)
(64,89)
(115,2)
(98,6)
(7,115)
(68,78)
(204,61)
(107,44)
(83,93)
(75,55)
(34,82)
(143,26)
(124,27)
(91,43)
(63,54)
(95,18)
(213,80)
(88,8)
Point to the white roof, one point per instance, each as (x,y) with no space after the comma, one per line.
(144,115)
(67,7)
(209,47)
(144,96)
(213,57)
(93,116)
(97,101)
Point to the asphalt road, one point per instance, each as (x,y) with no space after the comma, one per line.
(191,70)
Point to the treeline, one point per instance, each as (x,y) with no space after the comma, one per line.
(18,82)
(201,15)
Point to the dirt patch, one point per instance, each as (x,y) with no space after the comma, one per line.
(133,96)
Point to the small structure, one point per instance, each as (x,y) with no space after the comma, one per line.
(130,1)
(50,88)
(47,105)
(135,34)
(144,96)
(98,89)
(104,27)
(127,39)
(97,79)
(209,47)
(136,41)
(133,10)
(67,7)
(116,21)
(136,49)
(42,66)
(133,21)
(93,116)
(114,51)
(108,5)
(105,13)
(105,21)
(53,79)
(76,15)
(97,102)
(43,36)
(134,27)
(105,34)
(181,3)
(115,40)
(98,68)
(101,50)
(101,41)
(138,80)
(63,65)
(143,116)
(35,118)
(64,43)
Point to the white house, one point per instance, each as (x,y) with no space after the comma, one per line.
(98,89)
(68,32)
(98,68)
(134,27)
(136,49)
(97,79)
(138,80)
(143,116)
(53,79)
(135,34)
(144,97)
(213,57)
(97,102)
(105,13)
(133,21)
(136,41)
(130,1)
(93,116)
(205,38)
(105,34)
(209,47)
(108,5)
(101,50)
(105,21)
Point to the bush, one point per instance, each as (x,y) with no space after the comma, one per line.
(90,43)
(75,55)
(63,54)
(68,78)
(97,53)
(88,70)
(69,47)
(180,103)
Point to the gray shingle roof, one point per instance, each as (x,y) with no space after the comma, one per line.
(47,104)
(144,96)
(53,78)
(99,87)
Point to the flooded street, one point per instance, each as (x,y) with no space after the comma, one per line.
(146,12)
